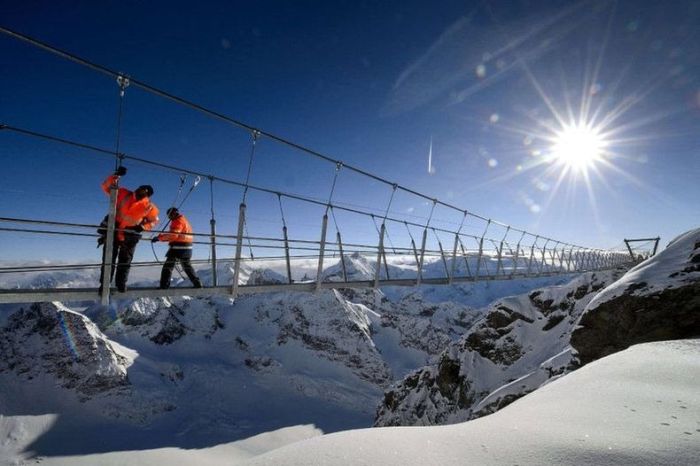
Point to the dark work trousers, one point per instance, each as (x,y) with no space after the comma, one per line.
(183,256)
(122,255)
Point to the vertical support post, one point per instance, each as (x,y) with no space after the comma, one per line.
(380,254)
(422,256)
(499,263)
(214,278)
(342,257)
(442,255)
(466,259)
(517,255)
(451,275)
(532,256)
(629,248)
(415,255)
(286,254)
(212,223)
(478,258)
(568,260)
(578,261)
(481,249)
(319,271)
(108,246)
(544,258)
(553,256)
(239,247)
(656,245)
(562,259)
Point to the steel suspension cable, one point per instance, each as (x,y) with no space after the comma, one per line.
(179,100)
(177,169)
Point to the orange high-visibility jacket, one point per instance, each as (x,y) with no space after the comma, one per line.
(180,231)
(130,211)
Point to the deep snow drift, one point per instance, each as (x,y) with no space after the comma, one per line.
(637,407)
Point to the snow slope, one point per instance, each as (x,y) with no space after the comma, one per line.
(521,342)
(637,407)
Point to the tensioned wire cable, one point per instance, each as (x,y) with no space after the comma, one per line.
(179,100)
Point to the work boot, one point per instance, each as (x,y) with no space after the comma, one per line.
(197,283)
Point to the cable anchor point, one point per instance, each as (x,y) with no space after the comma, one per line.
(123,82)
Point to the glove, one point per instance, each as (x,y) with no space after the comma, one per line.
(136,228)
(121,171)
(154,239)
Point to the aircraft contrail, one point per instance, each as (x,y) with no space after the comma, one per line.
(431,169)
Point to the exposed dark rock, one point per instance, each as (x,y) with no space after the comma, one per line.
(581,291)
(499,404)
(553,321)
(627,320)
(171,331)
(448,377)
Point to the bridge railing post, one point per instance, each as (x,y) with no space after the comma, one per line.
(287,259)
(212,239)
(543,260)
(517,255)
(239,248)
(532,256)
(499,261)
(442,255)
(108,250)
(212,224)
(319,271)
(380,254)
(466,259)
(481,249)
(422,257)
(453,267)
(342,256)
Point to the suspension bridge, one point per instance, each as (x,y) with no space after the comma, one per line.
(406,251)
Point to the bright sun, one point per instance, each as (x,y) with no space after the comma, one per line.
(578,147)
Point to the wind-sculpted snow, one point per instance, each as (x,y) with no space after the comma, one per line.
(48,338)
(520,343)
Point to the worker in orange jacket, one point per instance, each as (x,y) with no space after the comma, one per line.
(180,239)
(135,213)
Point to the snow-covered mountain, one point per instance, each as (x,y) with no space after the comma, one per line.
(525,341)
(48,338)
(520,342)
(198,372)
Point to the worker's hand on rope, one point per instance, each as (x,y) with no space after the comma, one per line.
(121,171)
(154,239)
(136,228)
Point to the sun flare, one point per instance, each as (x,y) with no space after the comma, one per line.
(578,147)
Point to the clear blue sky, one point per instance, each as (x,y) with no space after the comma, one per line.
(369,83)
